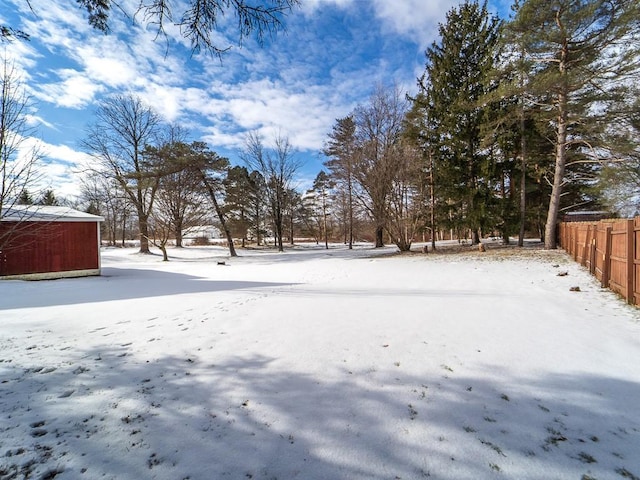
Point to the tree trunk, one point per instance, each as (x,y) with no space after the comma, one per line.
(291,242)
(432,198)
(216,206)
(258,239)
(379,236)
(556,191)
(350,189)
(178,234)
(324,222)
(143,223)
(561,159)
(523,179)
(279,228)
(124,230)
(113,230)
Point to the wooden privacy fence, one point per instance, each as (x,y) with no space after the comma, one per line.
(610,249)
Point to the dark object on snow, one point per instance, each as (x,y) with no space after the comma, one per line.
(562,274)
(221,263)
(574,289)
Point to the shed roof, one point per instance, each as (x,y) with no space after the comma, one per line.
(45,213)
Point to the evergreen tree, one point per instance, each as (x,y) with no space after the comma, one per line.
(257,200)
(420,131)
(48,198)
(319,192)
(210,166)
(292,210)
(583,53)
(237,186)
(458,71)
(619,183)
(341,150)
(25,198)
(181,200)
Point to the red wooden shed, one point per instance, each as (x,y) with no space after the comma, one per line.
(42,242)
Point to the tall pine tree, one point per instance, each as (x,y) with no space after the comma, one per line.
(458,76)
(341,150)
(583,53)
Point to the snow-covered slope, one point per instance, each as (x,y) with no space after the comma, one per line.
(318,364)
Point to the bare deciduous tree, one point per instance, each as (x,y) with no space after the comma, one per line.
(278,167)
(19,153)
(379,125)
(124,127)
(405,197)
(103,196)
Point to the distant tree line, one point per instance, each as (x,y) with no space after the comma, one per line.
(514,122)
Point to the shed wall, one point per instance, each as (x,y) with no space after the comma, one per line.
(36,247)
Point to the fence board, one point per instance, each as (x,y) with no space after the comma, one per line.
(636,261)
(610,249)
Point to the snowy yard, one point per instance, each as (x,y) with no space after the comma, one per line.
(320,365)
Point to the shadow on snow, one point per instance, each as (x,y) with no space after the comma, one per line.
(114,284)
(111,415)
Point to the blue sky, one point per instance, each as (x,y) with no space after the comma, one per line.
(329,59)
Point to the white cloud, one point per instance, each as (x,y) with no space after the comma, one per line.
(222,138)
(114,72)
(35,120)
(267,106)
(68,155)
(45,169)
(75,91)
(311,6)
(299,85)
(128,61)
(165,100)
(417,19)
(62,168)
(22,55)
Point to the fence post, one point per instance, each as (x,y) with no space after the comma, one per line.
(606,256)
(630,260)
(592,251)
(585,247)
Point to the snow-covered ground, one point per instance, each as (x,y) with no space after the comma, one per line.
(317,364)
